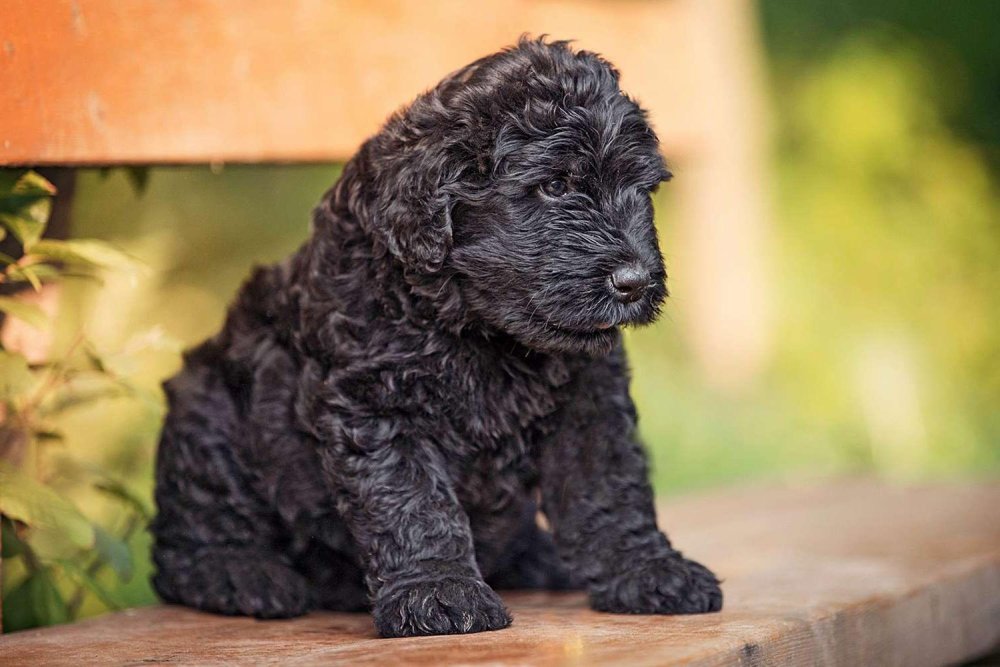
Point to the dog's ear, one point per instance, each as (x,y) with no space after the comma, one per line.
(404,182)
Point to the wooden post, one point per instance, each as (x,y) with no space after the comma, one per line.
(723,284)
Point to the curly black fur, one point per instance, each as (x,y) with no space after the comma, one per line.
(376,421)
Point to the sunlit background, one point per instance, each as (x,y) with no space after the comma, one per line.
(851,328)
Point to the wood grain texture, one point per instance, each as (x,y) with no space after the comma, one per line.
(134,81)
(855,573)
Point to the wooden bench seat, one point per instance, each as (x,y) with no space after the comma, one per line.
(854,573)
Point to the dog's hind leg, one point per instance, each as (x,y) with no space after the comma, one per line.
(235,581)
(530,561)
(213,537)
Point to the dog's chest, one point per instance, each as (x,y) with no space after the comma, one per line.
(497,413)
(491,397)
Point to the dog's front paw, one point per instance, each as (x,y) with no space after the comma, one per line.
(669,585)
(446,606)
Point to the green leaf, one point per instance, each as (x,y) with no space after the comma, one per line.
(114,552)
(84,274)
(33,183)
(28,313)
(91,583)
(29,226)
(16,378)
(119,490)
(25,205)
(81,391)
(8,179)
(10,544)
(33,603)
(28,274)
(57,529)
(35,274)
(47,435)
(90,252)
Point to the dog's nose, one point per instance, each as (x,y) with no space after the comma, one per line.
(629,282)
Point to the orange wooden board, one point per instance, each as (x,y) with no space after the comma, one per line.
(854,573)
(139,81)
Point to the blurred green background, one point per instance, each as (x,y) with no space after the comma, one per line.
(884,252)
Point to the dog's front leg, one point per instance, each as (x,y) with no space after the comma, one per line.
(597,497)
(396,498)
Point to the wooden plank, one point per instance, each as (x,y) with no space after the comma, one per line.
(855,573)
(136,81)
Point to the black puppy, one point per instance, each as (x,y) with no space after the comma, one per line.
(374,423)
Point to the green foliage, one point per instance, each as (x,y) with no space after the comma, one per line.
(34,602)
(960,38)
(884,266)
(55,551)
(88,253)
(25,204)
(891,249)
(57,527)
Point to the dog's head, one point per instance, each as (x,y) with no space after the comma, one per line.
(525,178)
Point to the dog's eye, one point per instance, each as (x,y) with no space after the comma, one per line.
(555,188)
